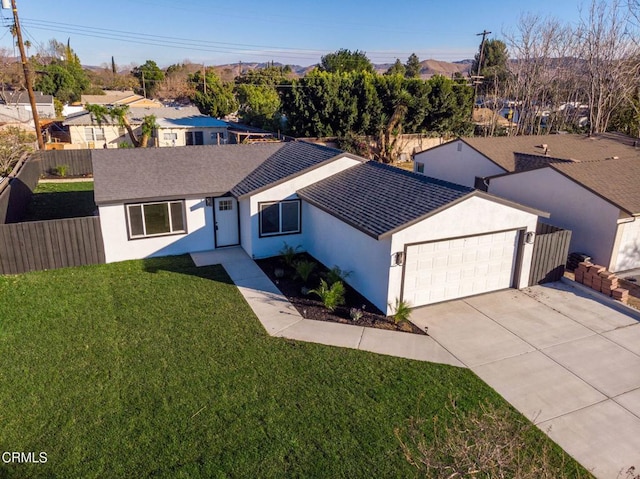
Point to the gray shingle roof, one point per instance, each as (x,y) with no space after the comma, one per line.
(617,181)
(135,115)
(514,153)
(138,174)
(378,199)
(291,159)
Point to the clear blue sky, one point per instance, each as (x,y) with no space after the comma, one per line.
(295,32)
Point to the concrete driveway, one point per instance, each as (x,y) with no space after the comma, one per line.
(567,361)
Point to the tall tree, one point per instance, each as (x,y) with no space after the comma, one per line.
(258,97)
(396,69)
(494,67)
(210,95)
(345,60)
(120,114)
(62,76)
(412,68)
(149,76)
(609,56)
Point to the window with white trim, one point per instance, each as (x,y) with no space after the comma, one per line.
(279,218)
(92,133)
(156,219)
(168,136)
(419,167)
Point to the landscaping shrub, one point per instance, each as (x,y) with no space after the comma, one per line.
(336,274)
(331,296)
(401,311)
(304,269)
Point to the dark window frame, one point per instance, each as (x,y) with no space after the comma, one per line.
(266,204)
(172,231)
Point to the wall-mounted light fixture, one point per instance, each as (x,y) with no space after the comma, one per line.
(398,258)
(529,237)
(208,201)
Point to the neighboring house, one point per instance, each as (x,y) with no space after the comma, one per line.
(20,99)
(467,161)
(114,98)
(191,130)
(402,235)
(599,201)
(16,116)
(588,184)
(85,132)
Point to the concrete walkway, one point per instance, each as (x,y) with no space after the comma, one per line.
(279,318)
(563,357)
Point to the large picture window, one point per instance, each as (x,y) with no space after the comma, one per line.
(155,219)
(279,218)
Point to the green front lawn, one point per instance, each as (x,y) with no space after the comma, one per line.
(52,201)
(156,368)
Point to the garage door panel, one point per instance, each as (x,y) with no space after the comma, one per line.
(459,267)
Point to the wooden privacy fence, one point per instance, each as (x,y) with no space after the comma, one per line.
(40,245)
(78,162)
(550,252)
(17,188)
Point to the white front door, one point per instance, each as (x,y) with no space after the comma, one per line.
(458,267)
(225,217)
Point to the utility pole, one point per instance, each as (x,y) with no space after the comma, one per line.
(204,78)
(27,76)
(478,77)
(144,88)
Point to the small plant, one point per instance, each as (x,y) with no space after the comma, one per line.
(356,314)
(304,269)
(336,274)
(401,311)
(331,296)
(61,170)
(278,273)
(289,253)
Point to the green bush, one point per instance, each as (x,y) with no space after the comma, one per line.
(401,311)
(331,296)
(61,170)
(304,269)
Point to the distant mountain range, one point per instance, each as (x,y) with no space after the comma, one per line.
(428,68)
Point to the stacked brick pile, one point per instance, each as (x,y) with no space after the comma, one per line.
(598,278)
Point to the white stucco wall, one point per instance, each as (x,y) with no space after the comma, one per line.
(335,243)
(118,247)
(271,245)
(592,220)
(112,134)
(181,138)
(447,163)
(628,246)
(473,216)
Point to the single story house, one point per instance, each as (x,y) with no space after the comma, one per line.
(191,130)
(588,184)
(20,99)
(467,161)
(85,132)
(599,201)
(401,234)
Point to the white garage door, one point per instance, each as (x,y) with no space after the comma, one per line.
(459,267)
